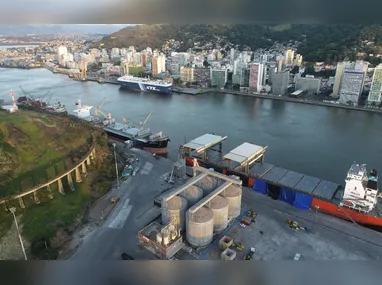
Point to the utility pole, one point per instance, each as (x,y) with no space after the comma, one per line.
(314,218)
(116,166)
(13,210)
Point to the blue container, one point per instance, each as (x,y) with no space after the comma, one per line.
(260,186)
(287,195)
(302,201)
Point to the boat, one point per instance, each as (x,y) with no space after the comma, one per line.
(56,108)
(100,80)
(145,84)
(83,111)
(71,75)
(138,137)
(358,200)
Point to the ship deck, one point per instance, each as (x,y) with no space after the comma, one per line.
(295,181)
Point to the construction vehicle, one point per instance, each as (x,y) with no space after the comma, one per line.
(249,254)
(238,245)
(295,225)
(251,214)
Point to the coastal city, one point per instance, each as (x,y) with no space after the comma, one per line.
(278,71)
(208,150)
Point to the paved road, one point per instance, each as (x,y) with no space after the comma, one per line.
(134,210)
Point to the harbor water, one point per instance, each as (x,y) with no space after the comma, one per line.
(315,140)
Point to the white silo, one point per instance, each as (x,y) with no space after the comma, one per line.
(200,227)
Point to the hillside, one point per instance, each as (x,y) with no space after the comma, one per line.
(317,42)
(35,147)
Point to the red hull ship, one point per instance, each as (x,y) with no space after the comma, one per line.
(356,202)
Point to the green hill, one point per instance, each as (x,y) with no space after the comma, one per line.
(35,147)
(317,42)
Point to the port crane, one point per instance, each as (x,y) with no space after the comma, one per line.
(98,109)
(145,121)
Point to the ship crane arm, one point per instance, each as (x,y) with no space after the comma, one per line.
(145,121)
(98,109)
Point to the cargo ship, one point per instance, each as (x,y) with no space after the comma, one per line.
(358,200)
(126,132)
(145,84)
(138,137)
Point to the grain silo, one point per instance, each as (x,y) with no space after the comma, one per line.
(233,195)
(192,194)
(200,227)
(219,206)
(174,208)
(208,184)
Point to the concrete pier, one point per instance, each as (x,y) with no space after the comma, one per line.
(60,187)
(78,175)
(70,182)
(50,194)
(84,171)
(35,197)
(21,201)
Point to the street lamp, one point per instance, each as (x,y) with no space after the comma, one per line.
(13,210)
(116,166)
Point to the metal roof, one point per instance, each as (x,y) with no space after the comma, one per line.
(243,152)
(203,141)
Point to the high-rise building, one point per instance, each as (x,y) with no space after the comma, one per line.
(219,77)
(232,56)
(255,76)
(310,85)
(289,56)
(124,67)
(352,83)
(202,76)
(154,66)
(61,50)
(374,97)
(338,79)
(187,74)
(280,82)
(298,60)
(115,53)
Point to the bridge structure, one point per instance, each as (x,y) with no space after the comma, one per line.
(79,170)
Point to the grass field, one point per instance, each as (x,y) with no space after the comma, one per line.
(43,220)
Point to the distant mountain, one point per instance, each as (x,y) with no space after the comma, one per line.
(329,43)
(19,30)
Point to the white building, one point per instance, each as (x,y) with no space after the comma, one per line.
(115,53)
(352,83)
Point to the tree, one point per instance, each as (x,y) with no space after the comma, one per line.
(295,69)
